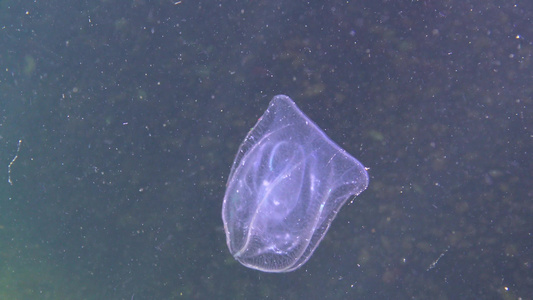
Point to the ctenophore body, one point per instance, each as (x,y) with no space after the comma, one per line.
(286,185)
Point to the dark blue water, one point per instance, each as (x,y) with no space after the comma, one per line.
(130,114)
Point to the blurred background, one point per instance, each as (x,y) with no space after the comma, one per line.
(129,115)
